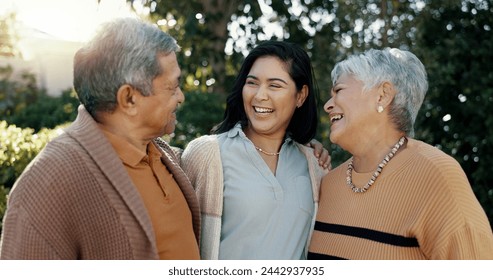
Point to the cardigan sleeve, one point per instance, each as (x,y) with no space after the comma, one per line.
(315,170)
(25,241)
(201,161)
(37,223)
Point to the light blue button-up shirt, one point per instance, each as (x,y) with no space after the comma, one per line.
(265,216)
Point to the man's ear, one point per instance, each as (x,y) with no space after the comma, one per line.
(386,94)
(127,98)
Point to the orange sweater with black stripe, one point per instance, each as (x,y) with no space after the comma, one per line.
(420,207)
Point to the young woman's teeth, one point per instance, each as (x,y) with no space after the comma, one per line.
(263,110)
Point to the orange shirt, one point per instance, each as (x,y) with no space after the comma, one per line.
(169,212)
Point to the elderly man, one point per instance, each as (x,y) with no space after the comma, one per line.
(109,187)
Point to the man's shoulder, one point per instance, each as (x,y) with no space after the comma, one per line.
(57,165)
(59,148)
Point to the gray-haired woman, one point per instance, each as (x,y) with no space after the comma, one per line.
(396,197)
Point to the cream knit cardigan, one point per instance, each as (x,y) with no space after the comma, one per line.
(201,161)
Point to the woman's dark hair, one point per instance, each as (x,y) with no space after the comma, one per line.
(303,125)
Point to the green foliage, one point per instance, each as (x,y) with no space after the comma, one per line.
(18,146)
(47,111)
(197,116)
(8,36)
(455,43)
(22,103)
(15,94)
(200,27)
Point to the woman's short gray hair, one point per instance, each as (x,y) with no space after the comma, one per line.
(124,51)
(401,68)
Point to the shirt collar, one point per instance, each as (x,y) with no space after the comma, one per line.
(236,130)
(128,153)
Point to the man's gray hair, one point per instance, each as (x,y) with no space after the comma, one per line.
(124,51)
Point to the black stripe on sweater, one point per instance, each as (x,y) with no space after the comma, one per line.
(378,236)
(317,256)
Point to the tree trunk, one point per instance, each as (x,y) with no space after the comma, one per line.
(219,14)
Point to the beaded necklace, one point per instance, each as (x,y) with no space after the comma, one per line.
(387,158)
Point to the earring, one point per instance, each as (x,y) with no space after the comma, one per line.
(380,108)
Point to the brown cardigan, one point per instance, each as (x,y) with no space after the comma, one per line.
(76,201)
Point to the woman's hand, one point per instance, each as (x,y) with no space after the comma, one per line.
(321,153)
